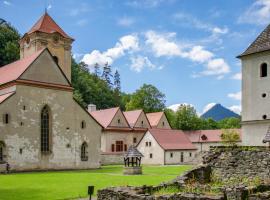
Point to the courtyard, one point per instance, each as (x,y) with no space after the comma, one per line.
(73,184)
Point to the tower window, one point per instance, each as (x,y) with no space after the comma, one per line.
(263,70)
(55,58)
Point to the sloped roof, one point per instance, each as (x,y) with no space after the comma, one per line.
(205,136)
(170,139)
(105,116)
(14,70)
(47,25)
(261,43)
(154,118)
(3,97)
(133,152)
(132,116)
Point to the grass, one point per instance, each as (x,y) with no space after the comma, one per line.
(73,184)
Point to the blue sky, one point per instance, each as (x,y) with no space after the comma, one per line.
(186,48)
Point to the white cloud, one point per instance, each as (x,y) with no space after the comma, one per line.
(175,107)
(199,54)
(237,76)
(208,107)
(7,3)
(128,43)
(257,13)
(144,3)
(236,96)
(161,44)
(236,108)
(125,21)
(165,45)
(140,62)
(216,66)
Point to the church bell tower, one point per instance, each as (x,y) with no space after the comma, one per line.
(47,34)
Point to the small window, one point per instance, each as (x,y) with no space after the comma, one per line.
(1,151)
(190,154)
(134,140)
(112,147)
(55,58)
(146,144)
(119,121)
(264,116)
(142,123)
(24,107)
(21,150)
(21,123)
(263,70)
(6,118)
(83,124)
(171,155)
(150,144)
(119,146)
(84,152)
(151,155)
(163,123)
(263,95)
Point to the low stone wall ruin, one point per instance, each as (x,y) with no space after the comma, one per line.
(224,163)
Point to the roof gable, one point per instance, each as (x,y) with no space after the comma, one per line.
(261,43)
(154,118)
(132,116)
(172,139)
(14,70)
(44,69)
(109,117)
(47,25)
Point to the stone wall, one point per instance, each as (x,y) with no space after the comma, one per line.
(112,158)
(222,162)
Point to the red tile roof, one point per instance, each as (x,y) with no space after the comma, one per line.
(47,25)
(154,118)
(132,116)
(172,139)
(3,97)
(206,135)
(105,117)
(14,70)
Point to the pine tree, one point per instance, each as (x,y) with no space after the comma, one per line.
(107,74)
(117,82)
(96,70)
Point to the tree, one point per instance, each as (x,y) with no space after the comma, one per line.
(230,137)
(107,74)
(9,43)
(117,81)
(187,118)
(97,70)
(230,123)
(148,98)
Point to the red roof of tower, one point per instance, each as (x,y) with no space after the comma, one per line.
(47,25)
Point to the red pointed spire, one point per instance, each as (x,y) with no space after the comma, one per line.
(47,25)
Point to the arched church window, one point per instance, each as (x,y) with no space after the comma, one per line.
(263,70)
(84,152)
(45,129)
(55,58)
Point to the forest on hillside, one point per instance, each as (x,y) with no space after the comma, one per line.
(102,87)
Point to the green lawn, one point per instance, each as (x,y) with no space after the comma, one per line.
(73,184)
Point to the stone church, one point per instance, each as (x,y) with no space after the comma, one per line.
(42,127)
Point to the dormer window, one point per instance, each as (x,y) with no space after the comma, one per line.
(263,70)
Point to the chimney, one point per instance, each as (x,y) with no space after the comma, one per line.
(92,107)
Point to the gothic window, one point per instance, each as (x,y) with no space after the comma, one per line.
(84,152)
(45,129)
(263,70)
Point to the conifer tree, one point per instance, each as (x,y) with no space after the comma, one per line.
(117,81)
(107,74)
